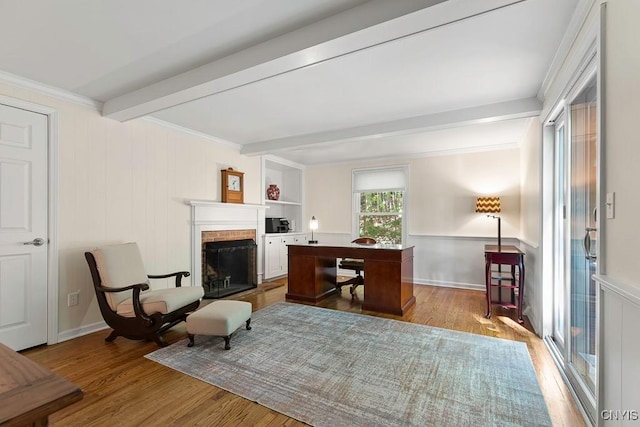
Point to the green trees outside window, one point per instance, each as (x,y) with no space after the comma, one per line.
(380,216)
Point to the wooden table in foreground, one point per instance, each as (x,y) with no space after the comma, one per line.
(388,272)
(30,392)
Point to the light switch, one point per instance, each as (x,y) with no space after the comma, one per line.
(610,205)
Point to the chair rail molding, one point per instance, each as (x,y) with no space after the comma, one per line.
(625,290)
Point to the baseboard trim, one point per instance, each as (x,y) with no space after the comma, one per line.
(447,284)
(532,319)
(70,334)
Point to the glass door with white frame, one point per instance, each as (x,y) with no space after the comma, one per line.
(575,233)
(560,215)
(582,229)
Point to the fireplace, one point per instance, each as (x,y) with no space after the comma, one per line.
(225,222)
(229,267)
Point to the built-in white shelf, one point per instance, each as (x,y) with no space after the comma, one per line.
(289,177)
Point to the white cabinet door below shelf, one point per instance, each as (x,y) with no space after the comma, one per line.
(284,253)
(272,257)
(276,254)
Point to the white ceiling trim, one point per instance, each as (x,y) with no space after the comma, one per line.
(74,98)
(517,109)
(192,132)
(65,95)
(364,26)
(570,37)
(436,153)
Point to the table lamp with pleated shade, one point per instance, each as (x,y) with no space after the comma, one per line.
(490,205)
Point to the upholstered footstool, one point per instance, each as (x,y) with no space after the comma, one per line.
(219,318)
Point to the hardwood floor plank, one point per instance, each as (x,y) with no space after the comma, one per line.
(123,388)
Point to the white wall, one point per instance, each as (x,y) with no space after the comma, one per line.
(530,150)
(128,182)
(622,145)
(443,192)
(442,223)
(620,307)
(328,197)
(530,205)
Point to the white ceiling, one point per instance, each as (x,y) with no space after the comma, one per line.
(313,81)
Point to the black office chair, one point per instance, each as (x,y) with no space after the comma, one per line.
(356,265)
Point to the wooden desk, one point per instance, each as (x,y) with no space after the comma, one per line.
(388,271)
(30,392)
(504,255)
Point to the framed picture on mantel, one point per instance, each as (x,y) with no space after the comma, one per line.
(232,186)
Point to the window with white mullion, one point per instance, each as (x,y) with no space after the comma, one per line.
(379,203)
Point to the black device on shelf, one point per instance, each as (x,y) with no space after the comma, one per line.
(276,225)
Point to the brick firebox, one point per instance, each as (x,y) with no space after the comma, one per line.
(223,236)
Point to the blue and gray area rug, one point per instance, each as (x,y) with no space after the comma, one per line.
(332,368)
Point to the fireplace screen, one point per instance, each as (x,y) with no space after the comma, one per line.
(229,267)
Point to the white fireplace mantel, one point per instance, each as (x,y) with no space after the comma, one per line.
(217,216)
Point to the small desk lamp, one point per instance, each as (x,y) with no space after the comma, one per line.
(313,225)
(490,205)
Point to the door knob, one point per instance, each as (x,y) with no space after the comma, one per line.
(35,242)
(586,243)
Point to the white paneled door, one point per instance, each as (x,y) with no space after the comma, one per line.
(23,228)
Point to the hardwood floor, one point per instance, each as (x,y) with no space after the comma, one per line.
(121,387)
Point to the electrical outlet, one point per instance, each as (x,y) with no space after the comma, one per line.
(73,299)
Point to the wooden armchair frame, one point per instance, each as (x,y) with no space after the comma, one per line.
(142,325)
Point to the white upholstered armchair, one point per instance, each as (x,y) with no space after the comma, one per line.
(127,305)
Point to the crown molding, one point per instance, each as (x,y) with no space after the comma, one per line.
(64,95)
(515,109)
(181,129)
(435,153)
(579,21)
